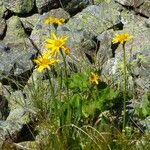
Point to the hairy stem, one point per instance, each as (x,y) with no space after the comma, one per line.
(125,85)
(66,74)
(50,82)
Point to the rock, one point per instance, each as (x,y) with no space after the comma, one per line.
(82,29)
(105,50)
(132,3)
(15,59)
(141,70)
(44,6)
(2,27)
(21,113)
(85,27)
(29,22)
(145,9)
(20,108)
(97,2)
(8,130)
(75,6)
(139,6)
(15,31)
(71,6)
(2,8)
(95,19)
(28,145)
(147,23)
(58,13)
(138,57)
(4,110)
(129,17)
(19,6)
(41,31)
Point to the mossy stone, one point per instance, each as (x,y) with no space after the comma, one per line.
(19,6)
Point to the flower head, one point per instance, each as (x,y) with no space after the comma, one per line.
(44,62)
(94,78)
(56,44)
(57,21)
(122,38)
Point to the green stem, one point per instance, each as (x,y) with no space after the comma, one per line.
(66,74)
(125,85)
(60,83)
(54,100)
(50,82)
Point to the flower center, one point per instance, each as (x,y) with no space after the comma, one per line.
(44,61)
(58,43)
(123,38)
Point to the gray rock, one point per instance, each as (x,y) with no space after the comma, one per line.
(29,22)
(41,31)
(105,51)
(9,129)
(145,9)
(2,8)
(95,19)
(82,29)
(20,108)
(45,5)
(15,31)
(4,110)
(147,23)
(19,6)
(58,13)
(2,27)
(28,145)
(129,17)
(138,57)
(134,3)
(86,28)
(15,59)
(21,111)
(74,6)
(69,5)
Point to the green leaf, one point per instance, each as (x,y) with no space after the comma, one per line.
(78,81)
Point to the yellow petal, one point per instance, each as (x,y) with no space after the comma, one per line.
(54,36)
(36,61)
(40,68)
(48,46)
(49,40)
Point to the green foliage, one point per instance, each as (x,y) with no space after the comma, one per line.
(74,113)
(102,100)
(79,118)
(144,111)
(79,82)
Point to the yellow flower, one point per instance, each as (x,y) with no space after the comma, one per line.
(94,78)
(44,62)
(52,20)
(56,44)
(122,38)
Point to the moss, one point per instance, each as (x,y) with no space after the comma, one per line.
(19,6)
(2,9)
(28,5)
(15,31)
